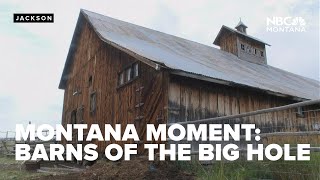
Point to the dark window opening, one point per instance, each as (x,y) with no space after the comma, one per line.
(74,117)
(255,51)
(93,103)
(242,46)
(261,53)
(90,81)
(80,112)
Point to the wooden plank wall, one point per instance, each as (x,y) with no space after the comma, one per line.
(228,43)
(114,105)
(255,58)
(191,99)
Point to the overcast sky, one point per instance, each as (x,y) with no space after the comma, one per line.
(33,55)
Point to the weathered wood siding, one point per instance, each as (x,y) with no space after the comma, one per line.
(252,57)
(133,103)
(228,43)
(231,42)
(191,99)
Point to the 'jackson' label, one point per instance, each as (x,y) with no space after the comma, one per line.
(33,18)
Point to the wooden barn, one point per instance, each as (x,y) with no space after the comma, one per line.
(118,72)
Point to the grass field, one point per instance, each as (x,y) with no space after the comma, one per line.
(241,170)
(10,169)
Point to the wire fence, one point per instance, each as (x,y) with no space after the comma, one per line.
(8,142)
(7,135)
(291,124)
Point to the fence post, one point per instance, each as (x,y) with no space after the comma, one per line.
(28,139)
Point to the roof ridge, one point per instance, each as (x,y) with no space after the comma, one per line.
(193,41)
(198,43)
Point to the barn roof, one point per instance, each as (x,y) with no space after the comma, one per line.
(192,59)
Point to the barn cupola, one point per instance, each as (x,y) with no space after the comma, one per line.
(239,43)
(241,27)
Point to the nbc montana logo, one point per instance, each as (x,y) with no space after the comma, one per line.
(286,24)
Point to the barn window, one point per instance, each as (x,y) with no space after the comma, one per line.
(129,74)
(300,112)
(135,70)
(80,112)
(93,103)
(261,53)
(242,47)
(74,117)
(121,78)
(255,51)
(90,81)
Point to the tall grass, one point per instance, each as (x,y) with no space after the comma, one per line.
(243,170)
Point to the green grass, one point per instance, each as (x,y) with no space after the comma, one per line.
(10,169)
(17,174)
(240,170)
(7,160)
